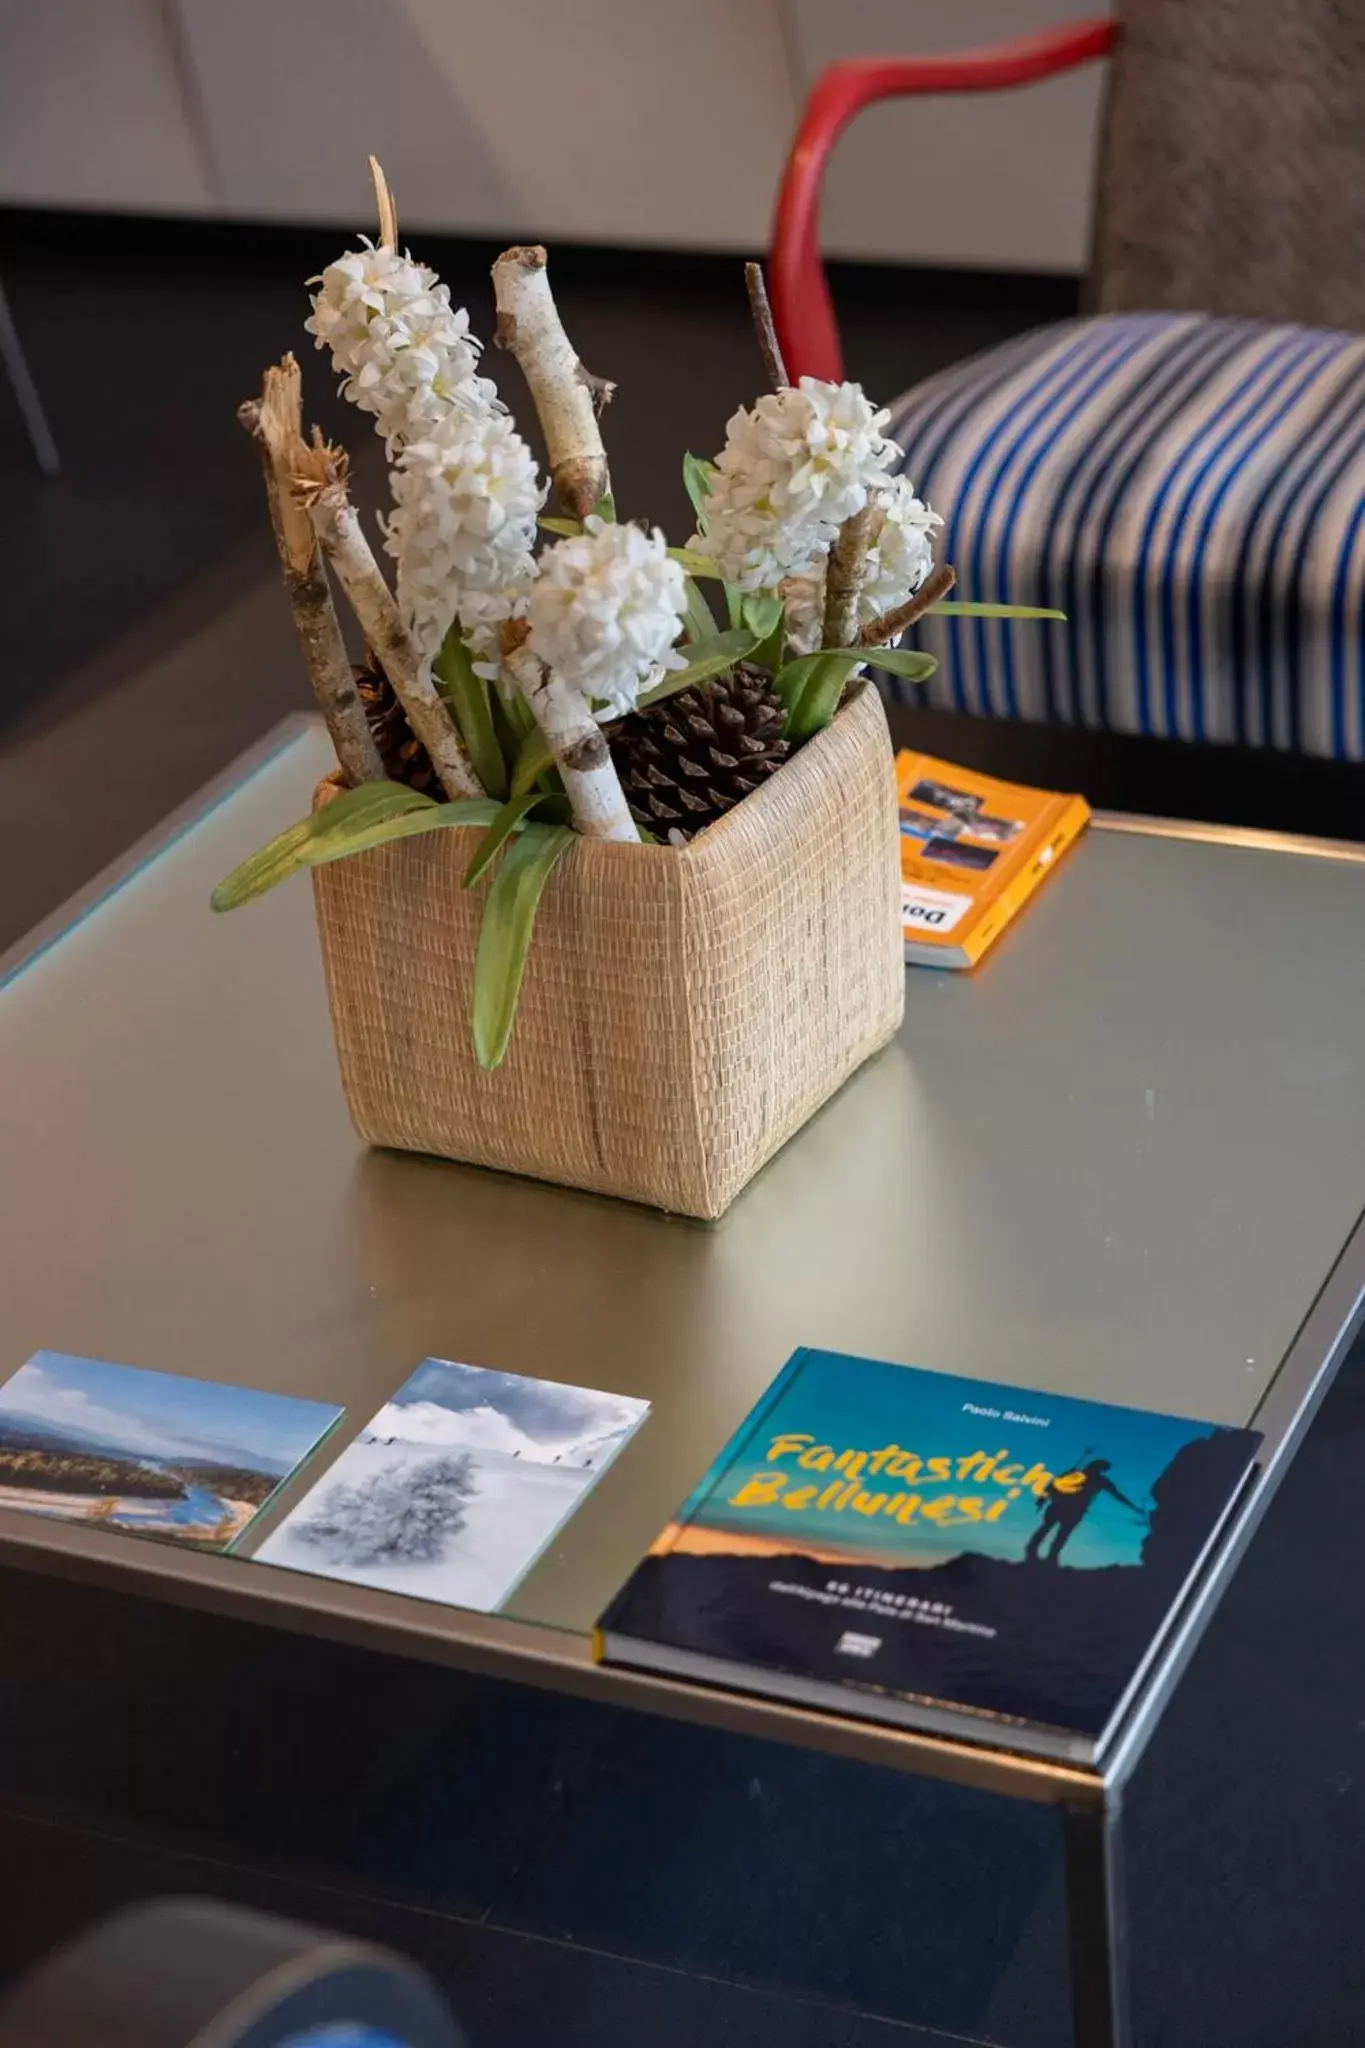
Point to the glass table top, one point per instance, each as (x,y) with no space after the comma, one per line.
(1118,1161)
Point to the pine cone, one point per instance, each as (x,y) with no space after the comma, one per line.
(404,757)
(685,762)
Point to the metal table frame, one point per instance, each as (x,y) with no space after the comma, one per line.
(1090,1801)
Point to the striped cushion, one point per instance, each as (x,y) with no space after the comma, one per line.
(1191,492)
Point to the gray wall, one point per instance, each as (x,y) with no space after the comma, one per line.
(602,120)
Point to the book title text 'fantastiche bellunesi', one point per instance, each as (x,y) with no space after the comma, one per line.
(995,1478)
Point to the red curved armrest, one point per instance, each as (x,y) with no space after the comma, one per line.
(802,309)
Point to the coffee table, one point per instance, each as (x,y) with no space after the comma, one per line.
(1125,1160)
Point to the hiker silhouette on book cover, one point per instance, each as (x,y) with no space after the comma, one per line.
(1063,1510)
(934,1551)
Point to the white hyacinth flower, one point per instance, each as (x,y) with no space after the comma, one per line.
(902,554)
(463,528)
(403,352)
(898,562)
(605,611)
(793,469)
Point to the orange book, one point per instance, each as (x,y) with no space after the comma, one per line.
(973,850)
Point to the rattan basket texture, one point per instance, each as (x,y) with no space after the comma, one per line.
(683,1011)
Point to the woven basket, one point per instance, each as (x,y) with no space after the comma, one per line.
(683,1011)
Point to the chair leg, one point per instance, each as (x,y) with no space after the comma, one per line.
(26,392)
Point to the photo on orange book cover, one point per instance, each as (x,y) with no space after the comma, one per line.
(973,851)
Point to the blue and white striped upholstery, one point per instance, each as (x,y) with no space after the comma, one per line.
(1191,492)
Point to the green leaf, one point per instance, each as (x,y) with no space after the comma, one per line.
(472,810)
(263,869)
(709,658)
(949,608)
(695,563)
(501,829)
(467,700)
(553,808)
(699,623)
(697,477)
(605,508)
(505,935)
(791,679)
(811,687)
(531,762)
(376,814)
(765,614)
(366,805)
(761,611)
(909,662)
(371,804)
(512,719)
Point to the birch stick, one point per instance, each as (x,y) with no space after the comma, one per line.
(576,740)
(385,207)
(769,345)
(320,480)
(882,631)
(275,423)
(567,397)
(844,579)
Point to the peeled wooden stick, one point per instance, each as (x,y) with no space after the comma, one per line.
(320,480)
(844,578)
(385,207)
(576,740)
(768,342)
(936,585)
(567,397)
(274,422)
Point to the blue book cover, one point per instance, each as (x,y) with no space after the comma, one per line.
(942,1552)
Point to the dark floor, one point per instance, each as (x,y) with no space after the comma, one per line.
(577,1876)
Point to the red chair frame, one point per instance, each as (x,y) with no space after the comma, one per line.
(802,309)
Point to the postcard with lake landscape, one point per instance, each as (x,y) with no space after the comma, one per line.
(192,1461)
